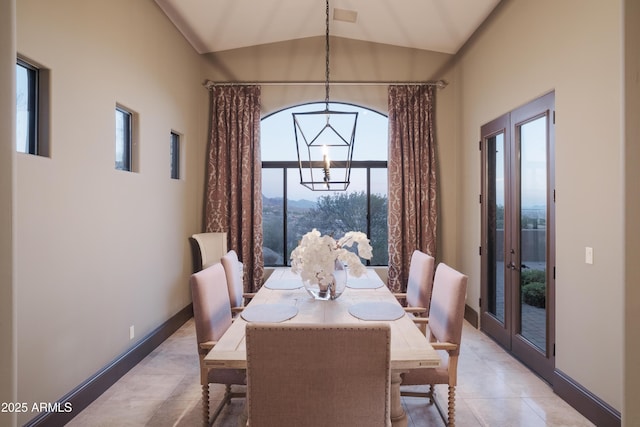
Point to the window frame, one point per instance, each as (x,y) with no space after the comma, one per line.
(127,138)
(175,146)
(32,107)
(292,164)
(356,164)
(38,107)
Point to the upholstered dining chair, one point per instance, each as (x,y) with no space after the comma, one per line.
(318,375)
(233,270)
(446,316)
(419,285)
(212,315)
(207,248)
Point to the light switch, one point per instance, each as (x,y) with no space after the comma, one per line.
(588,255)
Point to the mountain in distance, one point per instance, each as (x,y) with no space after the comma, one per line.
(293,204)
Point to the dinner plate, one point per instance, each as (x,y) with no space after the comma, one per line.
(377,310)
(269,313)
(283,284)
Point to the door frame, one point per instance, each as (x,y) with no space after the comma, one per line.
(508,334)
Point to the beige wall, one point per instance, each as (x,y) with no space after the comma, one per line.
(631,412)
(574,48)
(304,60)
(7,208)
(98,249)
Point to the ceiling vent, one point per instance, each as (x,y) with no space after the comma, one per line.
(345,15)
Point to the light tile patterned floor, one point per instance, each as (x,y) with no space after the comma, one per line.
(494,390)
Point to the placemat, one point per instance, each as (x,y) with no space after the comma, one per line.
(284,284)
(377,310)
(364,283)
(269,313)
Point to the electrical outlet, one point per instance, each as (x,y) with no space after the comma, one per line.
(132,332)
(588,255)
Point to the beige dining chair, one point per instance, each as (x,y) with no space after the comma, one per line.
(318,375)
(446,316)
(207,248)
(212,315)
(419,286)
(233,270)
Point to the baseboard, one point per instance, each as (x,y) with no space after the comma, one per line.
(585,402)
(471,316)
(92,388)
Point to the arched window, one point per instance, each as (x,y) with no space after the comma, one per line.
(291,209)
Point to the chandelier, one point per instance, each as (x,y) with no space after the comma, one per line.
(324,140)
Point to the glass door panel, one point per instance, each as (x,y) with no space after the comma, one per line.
(533,231)
(495,241)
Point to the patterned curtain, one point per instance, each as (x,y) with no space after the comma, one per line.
(412,178)
(233,194)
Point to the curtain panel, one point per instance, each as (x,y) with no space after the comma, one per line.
(233,193)
(412,213)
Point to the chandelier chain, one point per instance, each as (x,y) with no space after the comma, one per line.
(326,96)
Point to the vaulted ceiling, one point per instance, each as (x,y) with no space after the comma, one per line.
(436,25)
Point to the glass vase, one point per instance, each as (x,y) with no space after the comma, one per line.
(332,290)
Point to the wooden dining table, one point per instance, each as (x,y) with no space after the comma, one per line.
(409,347)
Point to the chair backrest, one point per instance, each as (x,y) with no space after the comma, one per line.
(234,278)
(211,309)
(420,282)
(207,248)
(446,312)
(318,375)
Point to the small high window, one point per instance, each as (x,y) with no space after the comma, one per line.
(175,155)
(124,138)
(32,131)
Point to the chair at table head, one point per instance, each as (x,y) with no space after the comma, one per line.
(212,315)
(207,249)
(318,375)
(446,317)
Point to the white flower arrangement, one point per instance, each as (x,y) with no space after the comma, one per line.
(315,257)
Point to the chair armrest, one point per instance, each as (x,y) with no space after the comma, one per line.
(208,345)
(416,310)
(443,346)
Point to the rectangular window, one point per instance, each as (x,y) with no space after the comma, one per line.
(32,108)
(26,108)
(124,121)
(175,155)
(289,210)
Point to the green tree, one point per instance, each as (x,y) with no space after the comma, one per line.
(339,213)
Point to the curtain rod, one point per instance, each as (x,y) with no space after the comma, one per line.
(440,84)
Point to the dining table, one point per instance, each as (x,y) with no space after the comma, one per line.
(282,298)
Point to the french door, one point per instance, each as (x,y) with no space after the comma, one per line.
(518,233)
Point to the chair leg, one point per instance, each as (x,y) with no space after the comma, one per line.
(205,405)
(451,414)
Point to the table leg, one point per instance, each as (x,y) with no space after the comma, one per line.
(398,416)
(244,416)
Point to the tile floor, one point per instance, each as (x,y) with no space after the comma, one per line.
(494,390)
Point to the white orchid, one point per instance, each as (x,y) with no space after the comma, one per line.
(315,257)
